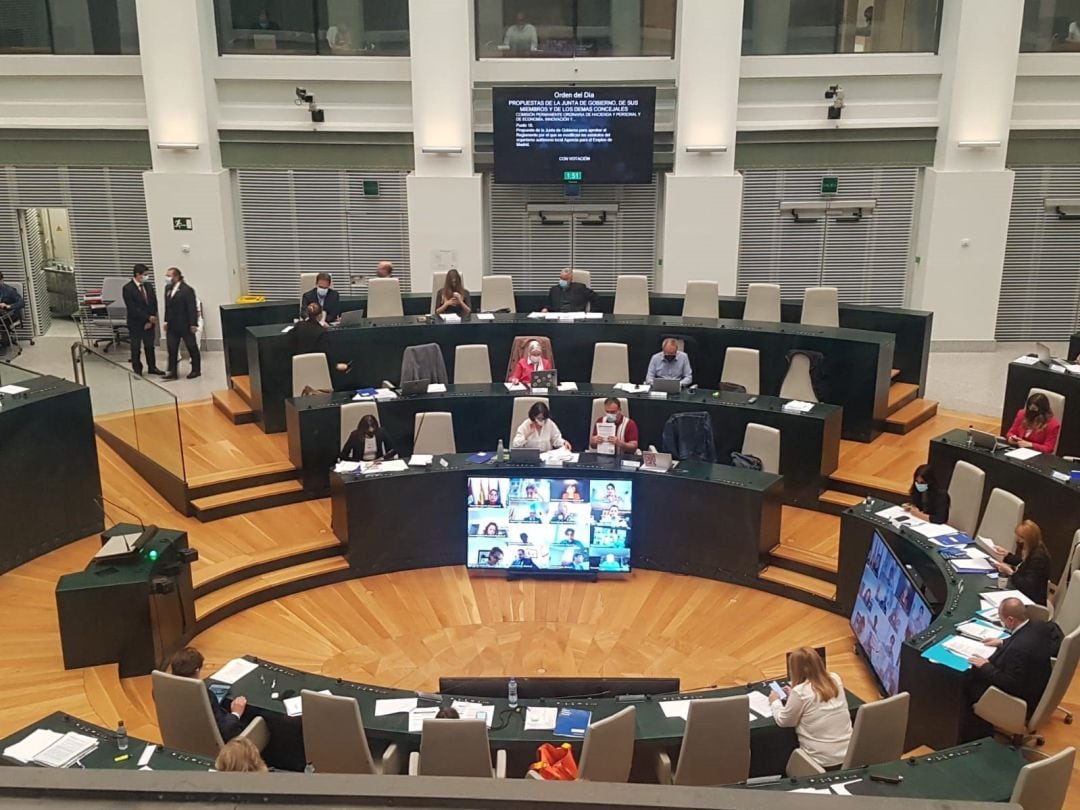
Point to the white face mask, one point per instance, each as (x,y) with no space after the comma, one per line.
(536,359)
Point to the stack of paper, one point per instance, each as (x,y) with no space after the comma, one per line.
(421,460)
(537,314)
(568,386)
(436,388)
(374,467)
(539,718)
(387,706)
(675,708)
(557,457)
(418,716)
(450,317)
(347,466)
(630,388)
(967,647)
(980,631)
(1022,453)
(798,406)
(995,598)
(385,393)
(514,386)
(31,745)
(932,530)
(467,710)
(70,748)
(294,706)
(234,671)
(968,565)
(12,389)
(1027,359)
(759,704)
(484,316)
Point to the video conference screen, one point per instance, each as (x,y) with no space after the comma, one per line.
(573,134)
(549,524)
(888,611)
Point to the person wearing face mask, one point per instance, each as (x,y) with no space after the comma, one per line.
(928,500)
(532,360)
(569,295)
(1035,426)
(626,430)
(140,300)
(539,431)
(368,442)
(310,334)
(670,364)
(1028,569)
(181,323)
(325,296)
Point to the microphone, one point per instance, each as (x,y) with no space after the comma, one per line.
(682,691)
(101,504)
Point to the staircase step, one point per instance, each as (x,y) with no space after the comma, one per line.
(900,394)
(792,579)
(894,374)
(251,499)
(275,579)
(803,560)
(234,406)
(218,483)
(241,383)
(911,416)
(842,499)
(862,485)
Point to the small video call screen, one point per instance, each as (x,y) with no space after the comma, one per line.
(549,524)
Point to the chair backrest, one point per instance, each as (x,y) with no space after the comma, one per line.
(384,298)
(521,410)
(611,364)
(351,414)
(583,277)
(517,350)
(310,370)
(742,367)
(797,383)
(1067,614)
(334,739)
(716,743)
(497,292)
(1060,679)
(608,749)
(455,748)
(598,409)
(1004,512)
(352,317)
(1072,563)
(763,442)
(1042,785)
(307,282)
(762,303)
(433,433)
(820,306)
(965,494)
(1057,408)
(631,295)
(112,293)
(701,300)
(438,280)
(184,716)
(879,732)
(472,364)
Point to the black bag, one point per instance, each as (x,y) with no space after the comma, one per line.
(745,461)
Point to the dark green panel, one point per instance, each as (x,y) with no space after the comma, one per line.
(317,150)
(1043,148)
(873,147)
(75,148)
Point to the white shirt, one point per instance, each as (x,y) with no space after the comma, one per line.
(549,437)
(370,448)
(823,729)
(521,37)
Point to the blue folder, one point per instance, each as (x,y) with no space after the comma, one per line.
(572,723)
(940,655)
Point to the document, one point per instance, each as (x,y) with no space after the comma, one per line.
(606,432)
(387,706)
(537,389)
(593,316)
(995,598)
(514,386)
(970,566)
(450,317)
(467,710)
(421,460)
(294,706)
(675,708)
(347,466)
(436,388)
(759,704)
(385,393)
(288,328)
(967,647)
(68,749)
(572,723)
(980,632)
(798,406)
(540,315)
(31,745)
(568,386)
(1027,360)
(146,755)
(892,513)
(539,718)
(418,716)
(932,530)
(841,788)
(234,671)
(658,394)
(1022,453)
(484,316)
(824,791)
(12,389)
(375,467)
(630,388)
(558,457)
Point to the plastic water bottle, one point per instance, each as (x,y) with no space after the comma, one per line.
(309,768)
(511,693)
(121,736)
(970,438)
(500,452)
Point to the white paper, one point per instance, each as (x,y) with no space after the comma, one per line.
(436,388)
(630,464)
(537,314)
(147,753)
(979,632)
(1023,453)
(973,566)
(385,393)
(69,748)
(892,512)
(675,708)
(819,791)
(32,744)
(375,467)
(995,598)
(1060,476)
(294,706)
(840,788)
(967,647)
(234,671)
(347,466)
(484,316)
(976,553)
(418,716)
(12,389)
(386,706)
(759,704)
(287,329)
(798,406)
(539,389)
(568,386)
(467,710)
(1026,360)
(514,386)
(542,718)
(932,530)
(450,317)
(630,388)
(1072,368)
(558,456)
(658,394)
(421,459)
(593,316)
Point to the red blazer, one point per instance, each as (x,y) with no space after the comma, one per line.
(1045,440)
(523,371)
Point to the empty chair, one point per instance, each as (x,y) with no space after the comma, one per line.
(820,307)
(307,282)
(423,362)
(1067,612)
(472,364)
(1057,408)
(965,492)
(797,383)
(715,746)
(352,317)
(1042,785)
(877,736)
(598,409)
(762,303)
(610,364)
(384,298)
(1004,512)
(521,411)
(701,300)
(763,442)
(456,748)
(608,749)
(497,294)
(186,720)
(351,414)
(433,433)
(742,367)
(519,346)
(112,297)
(583,277)
(334,738)
(631,295)
(310,371)
(1072,563)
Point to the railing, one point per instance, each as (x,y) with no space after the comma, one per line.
(16,375)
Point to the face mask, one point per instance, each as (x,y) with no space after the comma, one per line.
(535,360)
(611,417)
(1033,412)
(322,292)
(922,487)
(564,283)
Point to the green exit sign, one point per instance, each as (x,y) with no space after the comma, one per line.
(830,185)
(371,188)
(572,177)
(182,224)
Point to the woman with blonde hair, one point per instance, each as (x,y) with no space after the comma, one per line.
(1028,568)
(816,707)
(240,755)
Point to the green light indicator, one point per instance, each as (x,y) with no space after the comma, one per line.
(153,555)
(572,177)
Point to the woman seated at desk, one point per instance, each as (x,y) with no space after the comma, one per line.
(539,431)
(453,298)
(1035,426)
(928,500)
(533,360)
(368,442)
(816,707)
(1028,568)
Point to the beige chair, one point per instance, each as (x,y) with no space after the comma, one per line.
(310,370)
(797,383)
(610,364)
(1008,714)
(1067,612)
(433,433)
(497,292)
(1057,407)
(351,414)
(701,299)
(763,442)
(1042,785)
(762,303)
(307,282)
(821,307)
(334,738)
(438,279)
(1072,563)
(186,720)
(456,748)
(965,494)
(631,295)
(521,411)
(472,364)
(1004,512)
(715,745)
(608,749)
(384,298)
(583,277)
(877,736)
(517,351)
(598,409)
(742,367)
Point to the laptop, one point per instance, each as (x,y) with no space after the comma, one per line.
(545,379)
(414,388)
(987,441)
(667,386)
(1042,352)
(524,455)
(655,462)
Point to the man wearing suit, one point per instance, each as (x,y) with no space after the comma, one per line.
(325,296)
(181,323)
(569,295)
(188,663)
(142,310)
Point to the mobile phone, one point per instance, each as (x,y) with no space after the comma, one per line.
(888,780)
(777,689)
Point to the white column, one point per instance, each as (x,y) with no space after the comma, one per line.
(445,194)
(179,49)
(966,197)
(703,196)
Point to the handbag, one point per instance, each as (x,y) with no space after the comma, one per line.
(745,461)
(555,763)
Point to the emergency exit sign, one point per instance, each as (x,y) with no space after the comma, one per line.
(182,224)
(830,185)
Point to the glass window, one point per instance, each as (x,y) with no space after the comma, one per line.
(772,27)
(574,28)
(364,27)
(1051,25)
(68,26)
(336,27)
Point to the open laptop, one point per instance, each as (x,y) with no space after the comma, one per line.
(667,386)
(545,379)
(655,462)
(414,388)
(1042,352)
(987,441)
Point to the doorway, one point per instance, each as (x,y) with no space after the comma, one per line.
(49,267)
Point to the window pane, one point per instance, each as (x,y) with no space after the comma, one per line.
(266,26)
(364,27)
(94,26)
(24,27)
(1051,25)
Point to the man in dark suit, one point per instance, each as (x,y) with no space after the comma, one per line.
(142,311)
(181,323)
(11,303)
(323,295)
(188,663)
(309,335)
(569,295)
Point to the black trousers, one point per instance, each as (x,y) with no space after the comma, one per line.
(142,339)
(172,341)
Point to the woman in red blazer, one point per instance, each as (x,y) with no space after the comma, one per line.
(532,360)
(1035,426)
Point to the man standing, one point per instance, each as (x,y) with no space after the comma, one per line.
(325,296)
(181,323)
(670,364)
(569,295)
(142,311)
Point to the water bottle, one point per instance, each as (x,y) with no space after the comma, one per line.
(500,452)
(309,768)
(970,438)
(511,693)
(121,736)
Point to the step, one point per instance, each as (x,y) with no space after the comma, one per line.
(241,383)
(804,559)
(842,499)
(801,582)
(862,485)
(214,576)
(223,481)
(274,580)
(894,374)
(911,416)
(900,394)
(235,407)
(251,499)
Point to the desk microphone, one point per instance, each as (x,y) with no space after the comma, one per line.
(101,504)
